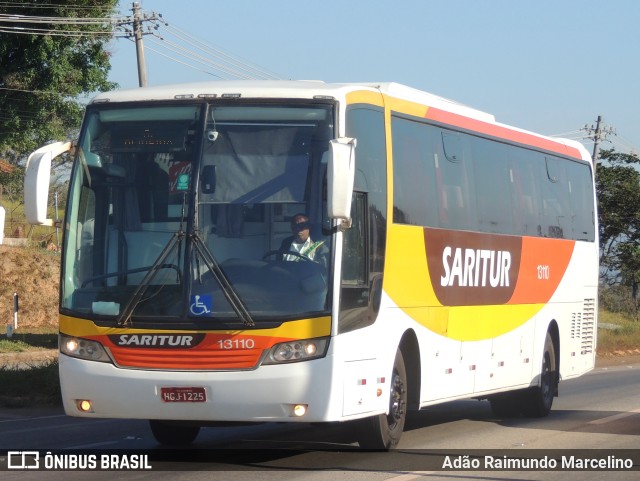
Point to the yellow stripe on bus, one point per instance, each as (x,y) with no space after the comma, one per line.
(408,283)
(302,329)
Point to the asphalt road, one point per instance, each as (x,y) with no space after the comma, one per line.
(600,411)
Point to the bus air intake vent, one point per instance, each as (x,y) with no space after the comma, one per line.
(588,328)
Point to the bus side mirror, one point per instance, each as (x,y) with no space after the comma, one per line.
(340,175)
(36,182)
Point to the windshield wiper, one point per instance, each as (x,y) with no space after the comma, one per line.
(125,316)
(229,292)
(222,280)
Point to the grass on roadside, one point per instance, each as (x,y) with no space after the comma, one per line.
(621,337)
(23,342)
(35,385)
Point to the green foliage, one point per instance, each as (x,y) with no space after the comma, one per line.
(617,300)
(618,188)
(12,184)
(41,76)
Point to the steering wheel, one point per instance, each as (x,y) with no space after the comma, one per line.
(284,253)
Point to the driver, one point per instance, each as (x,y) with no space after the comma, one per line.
(302,243)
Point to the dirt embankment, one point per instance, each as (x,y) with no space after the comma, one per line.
(34,274)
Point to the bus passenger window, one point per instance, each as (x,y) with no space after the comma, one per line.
(454,173)
(556,209)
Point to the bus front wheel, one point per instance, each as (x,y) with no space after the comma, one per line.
(384,431)
(173,434)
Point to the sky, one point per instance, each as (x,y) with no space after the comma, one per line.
(549,66)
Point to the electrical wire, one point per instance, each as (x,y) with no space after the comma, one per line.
(182,62)
(38,5)
(194,56)
(186,50)
(214,51)
(171,42)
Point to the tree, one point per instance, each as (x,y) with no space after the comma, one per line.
(618,189)
(11,184)
(42,75)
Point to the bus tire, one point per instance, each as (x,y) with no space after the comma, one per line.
(537,401)
(173,434)
(383,431)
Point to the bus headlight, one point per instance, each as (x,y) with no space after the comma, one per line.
(83,349)
(296,351)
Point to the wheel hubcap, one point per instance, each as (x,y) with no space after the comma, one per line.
(546,376)
(397,403)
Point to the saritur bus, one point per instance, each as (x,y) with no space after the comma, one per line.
(460,258)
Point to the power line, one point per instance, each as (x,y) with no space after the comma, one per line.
(216,52)
(183,47)
(33,5)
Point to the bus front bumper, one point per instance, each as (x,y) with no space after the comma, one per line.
(267,394)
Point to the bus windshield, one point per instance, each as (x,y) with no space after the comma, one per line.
(199,213)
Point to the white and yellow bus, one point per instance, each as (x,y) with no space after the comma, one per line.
(453,257)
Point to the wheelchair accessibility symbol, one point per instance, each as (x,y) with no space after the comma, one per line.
(200,305)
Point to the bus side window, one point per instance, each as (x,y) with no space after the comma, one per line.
(454,174)
(354,265)
(357,304)
(580,196)
(525,195)
(556,209)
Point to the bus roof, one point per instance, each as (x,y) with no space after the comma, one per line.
(310,89)
(305,89)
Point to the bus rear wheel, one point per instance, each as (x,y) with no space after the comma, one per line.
(169,433)
(533,402)
(538,400)
(384,431)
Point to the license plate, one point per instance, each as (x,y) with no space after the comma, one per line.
(183,394)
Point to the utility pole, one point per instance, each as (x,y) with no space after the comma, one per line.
(137,32)
(597,134)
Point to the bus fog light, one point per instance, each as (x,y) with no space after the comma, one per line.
(84,405)
(299,410)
